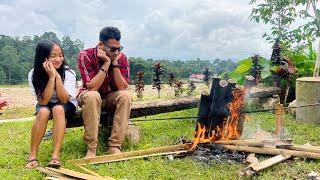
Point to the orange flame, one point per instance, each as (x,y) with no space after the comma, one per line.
(230,128)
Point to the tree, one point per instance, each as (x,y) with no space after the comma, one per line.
(256,69)
(9,63)
(157,77)
(178,88)
(312,28)
(17,55)
(279,14)
(206,78)
(172,79)
(139,85)
(191,87)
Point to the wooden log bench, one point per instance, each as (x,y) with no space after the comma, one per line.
(140,110)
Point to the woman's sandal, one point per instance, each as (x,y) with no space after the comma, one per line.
(54,163)
(32,163)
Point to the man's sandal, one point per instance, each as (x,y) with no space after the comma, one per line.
(54,163)
(32,163)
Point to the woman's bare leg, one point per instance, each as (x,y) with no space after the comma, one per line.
(58,130)
(38,129)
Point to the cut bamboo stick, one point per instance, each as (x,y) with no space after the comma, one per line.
(78,174)
(53,173)
(249,142)
(106,159)
(176,149)
(274,151)
(254,168)
(87,170)
(304,148)
(269,162)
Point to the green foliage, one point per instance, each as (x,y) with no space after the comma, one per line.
(17,55)
(279,14)
(181,69)
(244,67)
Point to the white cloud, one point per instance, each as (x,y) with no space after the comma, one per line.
(175,29)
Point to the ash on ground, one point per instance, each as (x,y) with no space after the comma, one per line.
(209,153)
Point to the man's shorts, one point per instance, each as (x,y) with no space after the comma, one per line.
(69,108)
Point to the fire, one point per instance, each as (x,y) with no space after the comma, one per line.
(231,127)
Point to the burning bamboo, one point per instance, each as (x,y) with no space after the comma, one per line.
(220,114)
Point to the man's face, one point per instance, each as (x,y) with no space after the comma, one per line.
(112,47)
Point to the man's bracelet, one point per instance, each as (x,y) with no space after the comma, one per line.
(103,70)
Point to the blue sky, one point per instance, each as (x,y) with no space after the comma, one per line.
(172,29)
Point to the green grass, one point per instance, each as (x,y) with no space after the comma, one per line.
(17,112)
(16,140)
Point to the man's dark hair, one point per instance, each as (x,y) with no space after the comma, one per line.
(109,33)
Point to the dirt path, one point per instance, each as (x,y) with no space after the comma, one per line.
(18,96)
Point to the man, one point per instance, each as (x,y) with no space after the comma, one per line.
(105,77)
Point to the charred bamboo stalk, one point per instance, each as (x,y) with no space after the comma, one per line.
(274,151)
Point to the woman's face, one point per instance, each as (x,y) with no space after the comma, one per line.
(56,56)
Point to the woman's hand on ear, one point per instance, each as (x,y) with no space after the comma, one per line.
(48,67)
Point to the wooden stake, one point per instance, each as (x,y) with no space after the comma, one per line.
(176,149)
(279,121)
(252,169)
(274,151)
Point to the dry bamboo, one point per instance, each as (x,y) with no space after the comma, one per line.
(176,149)
(274,151)
(78,174)
(87,170)
(53,173)
(304,148)
(254,168)
(248,142)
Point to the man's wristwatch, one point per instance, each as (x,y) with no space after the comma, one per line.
(116,66)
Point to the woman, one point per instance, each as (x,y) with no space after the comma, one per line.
(54,86)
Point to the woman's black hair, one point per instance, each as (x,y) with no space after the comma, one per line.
(40,77)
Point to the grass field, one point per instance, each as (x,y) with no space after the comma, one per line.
(15,147)
(15,144)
